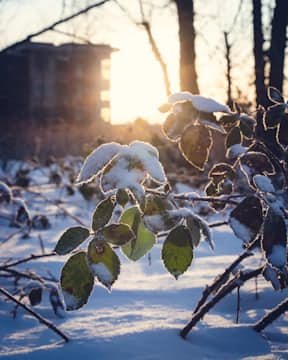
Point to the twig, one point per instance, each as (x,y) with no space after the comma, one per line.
(271,316)
(222,278)
(27,259)
(238,280)
(11,236)
(238,305)
(41,319)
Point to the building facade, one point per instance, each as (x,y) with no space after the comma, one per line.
(44,83)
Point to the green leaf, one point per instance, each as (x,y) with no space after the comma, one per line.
(177,251)
(103,262)
(254,163)
(234,137)
(195,145)
(122,197)
(76,281)
(144,240)
(160,214)
(118,234)
(71,239)
(103,213)
(195,230)
(138,192)
(273,115)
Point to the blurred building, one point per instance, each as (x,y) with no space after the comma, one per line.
(43,83)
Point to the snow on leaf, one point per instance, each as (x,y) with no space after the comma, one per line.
(274,241)
(144,240)
(246,219)
(195,145)
(177,251)
(71,239)
(103,213)
(235,151)
(117,234)
(270,274)
(263,183)
(95,162)
(213,125)
(274,95)
(195,230)
(103,262)
(201,103)
(159,214)
(254,163)
(76,281)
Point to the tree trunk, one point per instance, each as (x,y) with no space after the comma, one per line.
(187,35)
(259,65)
(228,69)
(278,44)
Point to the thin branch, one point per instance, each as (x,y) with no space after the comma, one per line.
(238,280)
(27,259)
(52,26)
(40,318)
(271,316)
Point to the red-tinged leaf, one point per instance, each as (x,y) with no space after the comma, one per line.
(195,145)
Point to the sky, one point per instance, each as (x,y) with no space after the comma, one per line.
(137,87)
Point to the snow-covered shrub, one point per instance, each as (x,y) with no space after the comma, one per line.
(139,205)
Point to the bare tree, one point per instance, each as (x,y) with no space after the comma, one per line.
(187,37)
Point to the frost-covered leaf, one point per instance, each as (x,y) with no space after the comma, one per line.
(177,251)
(138,193)
(160,214)
(270,274)
(247,125)
(22,216)
(95,162)
(233,137)
(5,193)
(117,234)
(263,183)
(273,115)
(235,151)
(228,121)
(76,281)
(201,103)
(195,145)
(274,95)
(103,262)
(144,240)
(247,218)
(35,296)
(213,125)
(103,213)
(274,241)
(221,171)
(254,163)
(71,239)
(131,167)
(211,189)
(55,301)
(195,230)
(282,132)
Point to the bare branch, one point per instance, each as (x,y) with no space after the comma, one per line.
(40,318)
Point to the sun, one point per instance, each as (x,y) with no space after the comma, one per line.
(137,87)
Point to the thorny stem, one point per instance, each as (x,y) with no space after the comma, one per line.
(271,316)
(238,280)
(40,318)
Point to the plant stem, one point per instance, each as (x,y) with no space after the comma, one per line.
(27,259)
(41,319)
(238,280)
(271,316)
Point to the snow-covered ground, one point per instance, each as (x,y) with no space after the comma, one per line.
(142,316)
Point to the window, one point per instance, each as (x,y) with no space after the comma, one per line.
(105,69)
(105,114)
(105,95)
